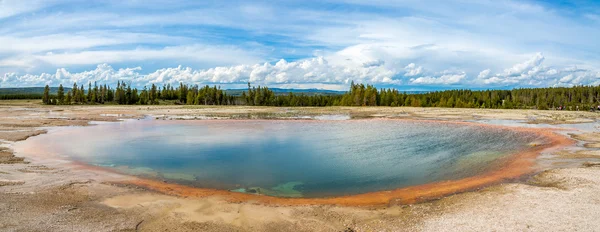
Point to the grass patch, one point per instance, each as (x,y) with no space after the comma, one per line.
(590,164)
(10,182)
(545,180)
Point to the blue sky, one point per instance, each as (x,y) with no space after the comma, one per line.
(403,44)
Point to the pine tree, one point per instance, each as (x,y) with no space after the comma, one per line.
(153,95)
(69,98)
(81,94)
(89,93)
(74,93)
(46,97)
(94,98)
(61,95)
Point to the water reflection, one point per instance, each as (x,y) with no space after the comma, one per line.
(289,158)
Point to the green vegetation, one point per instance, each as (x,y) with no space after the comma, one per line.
(573,98)
(24,93)
(20,96)
(27,90)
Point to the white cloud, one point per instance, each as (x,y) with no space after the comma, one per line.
(10,8)
(533,73)
(517,73)
(374,63)
(202,55)
(412,70)
(567,78)
(213,55)
(103,73)
(445,79)
(316,71)
(83,40)
(552,72)
(484,74)
(371,46)
(529,66)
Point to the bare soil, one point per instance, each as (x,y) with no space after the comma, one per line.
(46,194)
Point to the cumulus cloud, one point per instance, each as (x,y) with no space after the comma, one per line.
(373,63)
(484,74)
(314,70)
(445,79)
(530,66)
(517,73)
(412,70)
(103,73)
(532,72)
(371,46)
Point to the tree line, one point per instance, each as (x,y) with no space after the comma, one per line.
(568,98)
(20,96)
(564,98)
(125,94)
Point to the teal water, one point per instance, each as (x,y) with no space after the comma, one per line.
(289,158)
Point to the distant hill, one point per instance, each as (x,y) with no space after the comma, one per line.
(416,92)
(279,91)
(26,93)
(28,90)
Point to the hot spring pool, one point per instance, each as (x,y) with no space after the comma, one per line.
(290,158)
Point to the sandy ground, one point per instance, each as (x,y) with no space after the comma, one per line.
(38,194)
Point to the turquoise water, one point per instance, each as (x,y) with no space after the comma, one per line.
(290,158)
